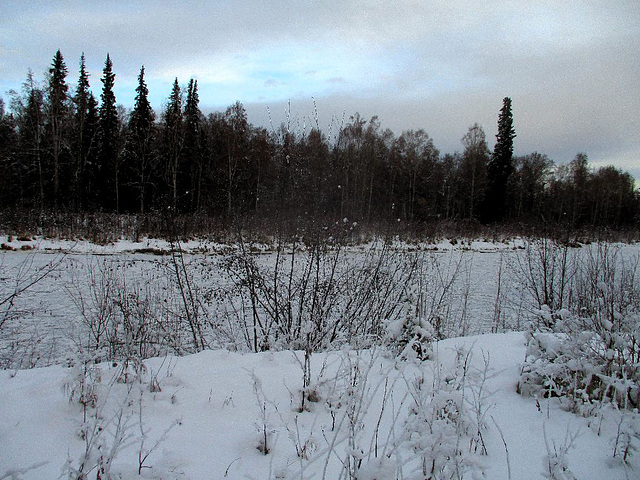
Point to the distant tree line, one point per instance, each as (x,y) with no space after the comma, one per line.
(62,150)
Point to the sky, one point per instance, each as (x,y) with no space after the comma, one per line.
(571,68)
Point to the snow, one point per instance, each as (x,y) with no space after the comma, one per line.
(372,415)
(151,245)
(214,399)
(50,308)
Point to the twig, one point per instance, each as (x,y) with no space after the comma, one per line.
(506,448)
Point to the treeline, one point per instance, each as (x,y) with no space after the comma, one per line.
(63,151)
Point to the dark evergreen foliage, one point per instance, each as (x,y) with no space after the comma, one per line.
(108,138)
(84,129)
(193,150)
(57,125)
(500,167)
(90,183)
(173,136)
(62,154)
(140,166)
(237,166)
(9,187)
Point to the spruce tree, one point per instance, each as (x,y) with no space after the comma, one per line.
(140,140)
(91,147)
(192,112)
(500,166)
(9,173)
(193,144)
(173,141)
(83,133)
(108,140)
(81,98)
(57,119)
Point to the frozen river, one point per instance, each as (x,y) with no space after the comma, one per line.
(473,290)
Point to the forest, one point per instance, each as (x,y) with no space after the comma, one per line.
(138,341)
(65,154)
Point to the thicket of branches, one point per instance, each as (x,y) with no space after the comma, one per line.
(63,151)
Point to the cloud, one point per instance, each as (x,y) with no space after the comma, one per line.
(271,82)
(571,68)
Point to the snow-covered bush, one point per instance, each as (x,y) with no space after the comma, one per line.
(364,419)
(104,429)
(113,398)
(20,339)
(556,459)
(410,336)
(316,296)
(545,271)
(446,421)
(84,381)
(430,305)
(583,367)
(411,420)
(627,439)
(589,353)
(129,315)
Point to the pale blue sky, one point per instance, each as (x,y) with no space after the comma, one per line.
(572,68)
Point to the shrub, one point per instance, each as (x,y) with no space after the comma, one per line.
(315,296)
(589,353)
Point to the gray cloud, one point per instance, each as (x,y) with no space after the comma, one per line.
(571,68)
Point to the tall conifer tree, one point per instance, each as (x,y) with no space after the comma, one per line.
(81,101)
(9,192)
(57,119)
(500,166)
(193,143)
(84,133)
(173,141)
(108,136)
(140,140)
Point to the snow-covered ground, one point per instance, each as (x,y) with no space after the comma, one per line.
(50,320)
(208,420)
(367,415)
(206,246)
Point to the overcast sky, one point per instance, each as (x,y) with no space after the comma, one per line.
(572,68)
